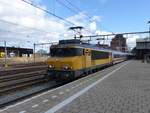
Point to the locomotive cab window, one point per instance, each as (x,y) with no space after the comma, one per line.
(66,52)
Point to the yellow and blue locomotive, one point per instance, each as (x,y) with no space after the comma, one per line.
(71,59)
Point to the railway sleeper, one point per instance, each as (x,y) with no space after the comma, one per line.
(20,76)
(13,82)
(27,65)
(22,70)
(21,85)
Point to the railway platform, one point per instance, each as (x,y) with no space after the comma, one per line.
(122,88)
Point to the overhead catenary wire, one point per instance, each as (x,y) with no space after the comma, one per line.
(73,5)
(17,24)
(30,3)
(77,10)
(26,27)
(8,31)
(63,4)
(125,33)
(48,12)
(21,25)
(29,35)
(74,8)
(86,14)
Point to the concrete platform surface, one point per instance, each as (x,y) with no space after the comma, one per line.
(123,88)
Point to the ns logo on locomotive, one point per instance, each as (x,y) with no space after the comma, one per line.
(72,59)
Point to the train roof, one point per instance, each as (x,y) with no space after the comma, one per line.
(80,44)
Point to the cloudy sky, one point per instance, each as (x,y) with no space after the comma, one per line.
(22,24)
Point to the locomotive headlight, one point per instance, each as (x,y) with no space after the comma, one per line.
(66,67)
(51,66)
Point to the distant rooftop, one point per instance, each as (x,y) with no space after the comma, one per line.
(143,40)
(143,43)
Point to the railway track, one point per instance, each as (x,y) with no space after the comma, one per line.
(27,92)
(16,79)
(24,64)
(11,71)
(9,83)
(19,77)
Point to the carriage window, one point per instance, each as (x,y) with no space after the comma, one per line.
(99,55)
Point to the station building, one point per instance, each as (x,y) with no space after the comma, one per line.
(14,51)
(119,43)
(142,48)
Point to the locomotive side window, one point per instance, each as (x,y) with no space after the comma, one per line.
(99,55)
(66,52)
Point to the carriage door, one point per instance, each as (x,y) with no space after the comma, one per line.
(87,58)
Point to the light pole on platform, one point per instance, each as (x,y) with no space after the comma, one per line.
(149,30)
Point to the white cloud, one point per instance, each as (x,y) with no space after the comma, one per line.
(53,29)
(93,26)
(96,18)
(131,39)
(21,13)
(78,19)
